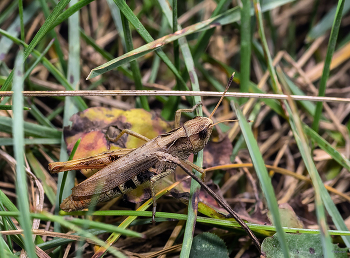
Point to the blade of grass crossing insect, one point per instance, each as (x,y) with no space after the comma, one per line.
(245,52)
(65,173)
(133,64)
(327,63)
(302,143)
(115,236)
(69,106)
(18,135)
(84,233)
(261,171)
(198,159)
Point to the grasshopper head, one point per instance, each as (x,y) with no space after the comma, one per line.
(199,130)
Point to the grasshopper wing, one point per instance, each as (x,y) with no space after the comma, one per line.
(115,174)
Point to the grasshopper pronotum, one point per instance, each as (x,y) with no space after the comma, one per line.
(126,171)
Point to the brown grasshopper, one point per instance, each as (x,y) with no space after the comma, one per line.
(151,162)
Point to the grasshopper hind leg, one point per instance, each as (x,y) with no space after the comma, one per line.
(152,181)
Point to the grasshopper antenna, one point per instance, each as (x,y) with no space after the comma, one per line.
(223,95)
(230,120)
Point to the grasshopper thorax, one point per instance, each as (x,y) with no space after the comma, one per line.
(198,131)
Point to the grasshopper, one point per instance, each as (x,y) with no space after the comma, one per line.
(154,160)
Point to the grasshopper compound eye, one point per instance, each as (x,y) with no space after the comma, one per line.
(203,134)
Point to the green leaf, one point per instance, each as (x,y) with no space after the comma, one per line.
(208,245)
(300,245)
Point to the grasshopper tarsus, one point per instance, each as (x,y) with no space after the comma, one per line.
(187,110)
(169,158)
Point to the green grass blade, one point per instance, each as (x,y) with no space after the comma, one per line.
(5,14)
(326,22)
(133,64)
(117,21)
(65,174)
(57,74)
(9,107)
(30,129)
(37,170)
(62,63)
(320,190)
(34,111)
(198,159)
(50,141)
(261,171)
(245,48)
(205,36)
(267,54)
(38,36)
(124,8)
(228,17)
(302,143)
(20,11)
(5,42)
(69,106)
(324,145)
(38,59)
(69,12)
(327,63)
(18,135)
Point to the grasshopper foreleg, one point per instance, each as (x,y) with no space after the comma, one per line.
(127,131)
(162,156)
(152,181)
(178,114)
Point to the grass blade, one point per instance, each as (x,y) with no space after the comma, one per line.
(18,136)
(38,36)
(261,171)
(245,48)
(327,63)
(133,64)
(69,106)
